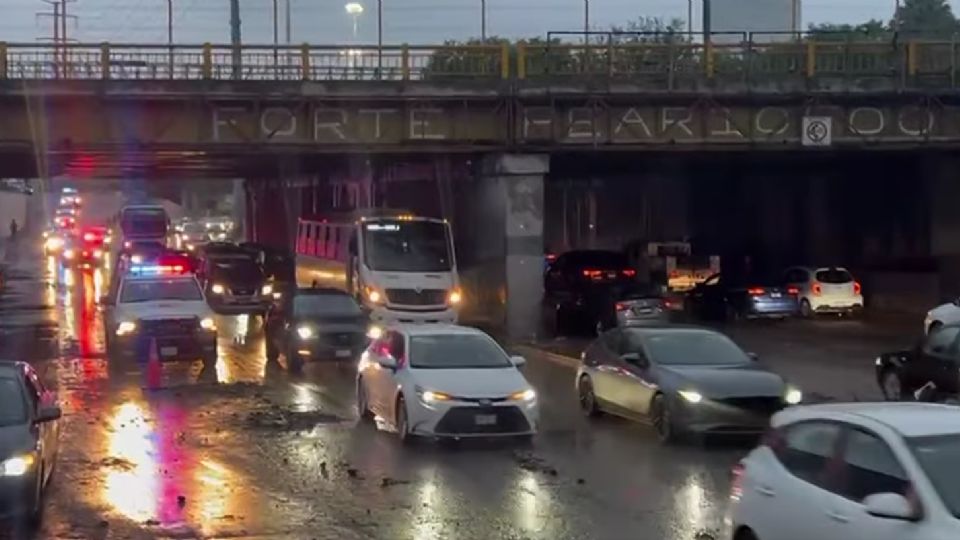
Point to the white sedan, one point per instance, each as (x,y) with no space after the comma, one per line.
(943,314)
(853,471)
(445,381)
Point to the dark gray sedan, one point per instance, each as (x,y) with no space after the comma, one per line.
(29,434)
(680,379)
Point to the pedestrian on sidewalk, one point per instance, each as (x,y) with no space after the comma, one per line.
(13,229)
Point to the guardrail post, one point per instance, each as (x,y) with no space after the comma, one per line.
(521,60)
(104,61)
(504,60)
(405,61)
(207,61)
(811,59)
(3,60)
(305,62)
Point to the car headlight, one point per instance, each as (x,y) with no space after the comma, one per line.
(207,323)
(277,295)
(455,297)
(523,395)
(375,332)
(126,327)
(430,396)
(217,288)
(305,332)
(68,254)
(793,396)
(691,396)
(266,289)
(374,296)
(97,253)
(17,465)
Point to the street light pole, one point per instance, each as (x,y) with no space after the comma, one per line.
(689,19)
(586,21)
(289,23)
(379,38)
(170,34)
(483,21)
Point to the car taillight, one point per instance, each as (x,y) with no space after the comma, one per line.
(629,272)
(591,273)
(736,481)
(756,291)
(793,290)
(621,306)
(816,289)
(856,287)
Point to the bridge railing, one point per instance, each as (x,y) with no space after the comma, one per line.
(672,65)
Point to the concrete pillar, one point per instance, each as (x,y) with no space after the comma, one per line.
(506,236)
(239,213)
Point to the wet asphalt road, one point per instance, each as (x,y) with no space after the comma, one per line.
(251,451)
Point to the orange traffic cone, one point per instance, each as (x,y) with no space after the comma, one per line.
(154,373)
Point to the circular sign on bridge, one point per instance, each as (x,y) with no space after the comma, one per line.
(817,131)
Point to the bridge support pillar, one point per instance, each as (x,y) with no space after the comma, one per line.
(500,221)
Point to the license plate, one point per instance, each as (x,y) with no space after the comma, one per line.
(485,419)
(342,353)
(775,295)
(168,351)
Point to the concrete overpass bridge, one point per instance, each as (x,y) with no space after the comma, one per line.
(471,132)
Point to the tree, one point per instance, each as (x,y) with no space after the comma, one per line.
(926,18)
(872,30)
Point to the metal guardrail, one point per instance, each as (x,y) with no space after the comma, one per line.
(665,65)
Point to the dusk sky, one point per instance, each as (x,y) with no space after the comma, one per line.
(411,21)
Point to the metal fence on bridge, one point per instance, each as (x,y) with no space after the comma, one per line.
(665,65)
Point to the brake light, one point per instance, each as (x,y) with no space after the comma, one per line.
(793,290)
(816,289)
(856,287)
(736,481)
(756,291)
(592,273)
(629,272)
(622,306)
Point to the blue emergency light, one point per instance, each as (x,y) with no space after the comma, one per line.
(156,270)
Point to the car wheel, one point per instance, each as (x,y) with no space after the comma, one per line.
(745,534)
(363,407)
(891,385)
(662,419)
(588,400)
(806,311)
(402,423)
(35,519)
(294,362)
(934,326)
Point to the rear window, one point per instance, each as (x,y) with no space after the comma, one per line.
(239,269)
(597,259)
(834,275)
(13,406)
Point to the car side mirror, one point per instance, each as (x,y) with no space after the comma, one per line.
(889,506)
(48,413)
(754,356)
(518,361)
(387,362)
(636,359)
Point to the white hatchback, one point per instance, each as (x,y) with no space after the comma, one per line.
(825,290)
(445,381)
(854,471)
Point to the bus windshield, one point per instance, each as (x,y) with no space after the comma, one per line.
(145,222)
(407,246)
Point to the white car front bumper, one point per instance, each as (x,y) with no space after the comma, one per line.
(385,316)
(474,418)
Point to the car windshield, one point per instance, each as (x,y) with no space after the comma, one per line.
(236,269)
(687,347)
(937,456)
(326,305)
(151,223)
(407,246)
(13,407)
(155,290)
(834,275)
(456,351)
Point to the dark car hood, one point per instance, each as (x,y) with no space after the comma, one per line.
(336,324)
(719,382)
(15,440)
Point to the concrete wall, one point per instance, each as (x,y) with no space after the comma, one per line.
(12,206)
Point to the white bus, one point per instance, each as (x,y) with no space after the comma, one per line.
(401,268)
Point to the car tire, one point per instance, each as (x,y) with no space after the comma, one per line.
(662,420)
(294,362)
(806,311)
(401,422)
(363,403)
(587,398)
(745,533)
(934,326)
(35,518)
(891,385)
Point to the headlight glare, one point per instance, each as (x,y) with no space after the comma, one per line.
(68,254)
(207,323)
(16,466)
(305,332)
(691,396)
(793,396)
(455,297)
(266,290)
(374,295)
(217,288)
(429,396)
(523,395)
(126,327)
(374,332)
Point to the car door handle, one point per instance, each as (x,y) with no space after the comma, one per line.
(838,517)
(766,491)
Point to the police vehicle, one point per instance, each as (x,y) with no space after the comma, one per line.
(159,306)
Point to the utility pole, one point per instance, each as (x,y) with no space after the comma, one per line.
(379,38)
(586,21)
(289,24)
(59,37)
(707,27)
(690,19)
(170,36)
(483,21)
(276,34)
(235,39)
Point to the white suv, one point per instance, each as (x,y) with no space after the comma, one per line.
(852,471)
(825,290)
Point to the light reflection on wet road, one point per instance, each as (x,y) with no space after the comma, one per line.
(252,451)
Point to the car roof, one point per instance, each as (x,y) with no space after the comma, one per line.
(158,277)
(909,419)
(431,329)
(666,328)
(11,367)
